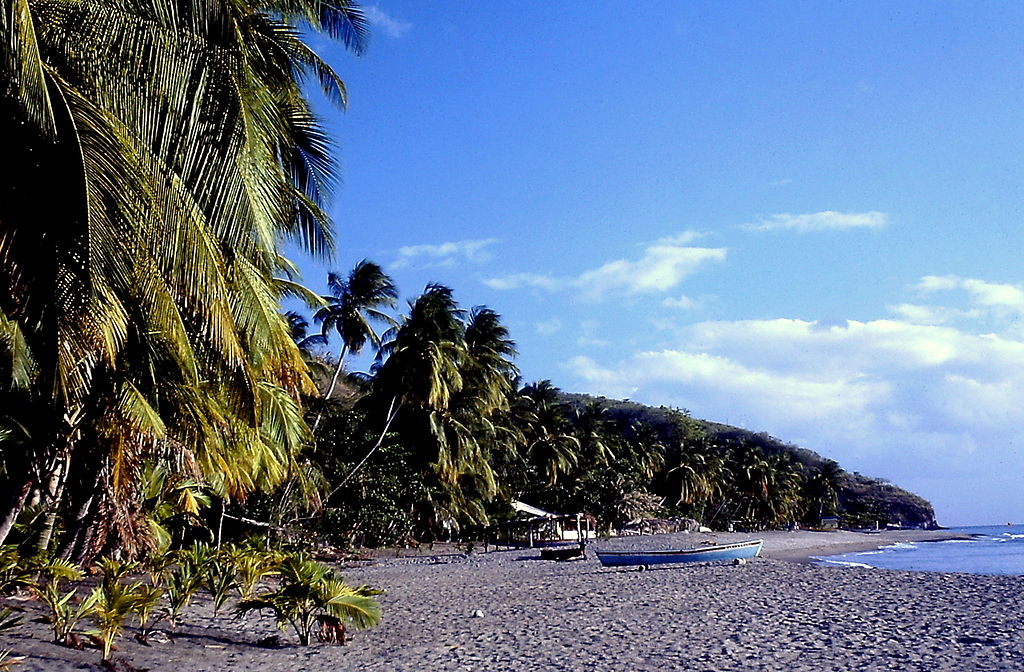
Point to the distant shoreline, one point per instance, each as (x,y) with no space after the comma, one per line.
(806,545)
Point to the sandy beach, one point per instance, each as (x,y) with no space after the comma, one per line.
(508,610)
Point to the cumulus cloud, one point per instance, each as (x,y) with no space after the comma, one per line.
(892,398)
(662,267)
(391,26)
(820,221)
(445,254)
(983,294)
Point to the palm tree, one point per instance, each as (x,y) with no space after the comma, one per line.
(351,309)
(488,372)
(595,431)
(551,446)
(186,152)
(418,367)
(823,487)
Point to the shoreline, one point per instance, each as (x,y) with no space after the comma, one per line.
(809,547)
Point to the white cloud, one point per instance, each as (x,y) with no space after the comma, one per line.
(682,302)
(821,221)
(935,283)
(548,327)
(784,182)
(379,19)
(445,254)
(684,238)
(588,337)
(935,315)
(662,267)
(983,305)
(521,280)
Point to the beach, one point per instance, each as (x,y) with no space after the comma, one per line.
(508,610)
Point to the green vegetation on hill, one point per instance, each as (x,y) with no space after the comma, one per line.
(862,501)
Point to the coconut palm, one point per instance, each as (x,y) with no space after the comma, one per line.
(823,487)
(146,298)
(551,446)
(352,307)
(488,372)
(697,476)
(596,433)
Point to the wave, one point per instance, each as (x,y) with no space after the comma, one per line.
(844,563)
(903,545)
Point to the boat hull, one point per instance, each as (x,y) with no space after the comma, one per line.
(740,551)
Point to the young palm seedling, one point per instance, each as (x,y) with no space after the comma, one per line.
(14,574)
(113,601)
(182,583)
(311,599)
(251,565)
(220,580)
(149,598)
(66,611)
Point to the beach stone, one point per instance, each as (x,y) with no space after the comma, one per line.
(478,613)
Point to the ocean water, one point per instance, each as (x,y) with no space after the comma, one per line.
(995,549)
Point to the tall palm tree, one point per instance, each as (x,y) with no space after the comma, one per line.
(352,307)
(823,487)
(489,374)
(418,367)
(551,446)
(180,138)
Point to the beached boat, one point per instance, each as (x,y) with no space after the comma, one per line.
(562,553)
(737,551)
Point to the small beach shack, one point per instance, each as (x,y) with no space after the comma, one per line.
(534,526)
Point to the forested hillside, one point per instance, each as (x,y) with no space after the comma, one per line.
(861,500)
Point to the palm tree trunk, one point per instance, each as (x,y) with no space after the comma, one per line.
(53,493)
(81,496)
(392,413)
(330,390)
(15,503)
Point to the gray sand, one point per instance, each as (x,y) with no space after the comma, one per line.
(576,616)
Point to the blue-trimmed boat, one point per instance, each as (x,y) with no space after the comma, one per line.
(738,551)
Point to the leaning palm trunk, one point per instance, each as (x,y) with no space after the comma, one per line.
(13,507)
(392,414)
(330,389)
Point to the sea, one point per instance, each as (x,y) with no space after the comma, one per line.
(993,549)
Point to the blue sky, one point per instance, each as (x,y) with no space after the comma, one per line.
(799,218)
